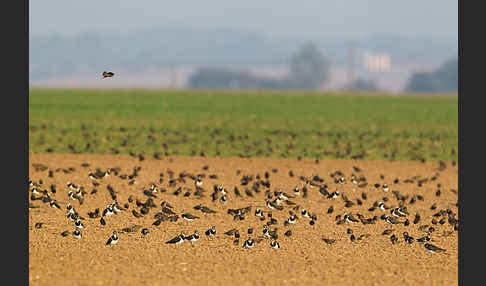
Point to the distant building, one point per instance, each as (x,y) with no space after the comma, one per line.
(374,62)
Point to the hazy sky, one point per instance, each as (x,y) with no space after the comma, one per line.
(274,18)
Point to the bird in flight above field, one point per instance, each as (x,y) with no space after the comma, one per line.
(107,74)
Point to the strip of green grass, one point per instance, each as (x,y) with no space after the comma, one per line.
(288,124)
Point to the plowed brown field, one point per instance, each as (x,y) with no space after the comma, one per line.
(303,259)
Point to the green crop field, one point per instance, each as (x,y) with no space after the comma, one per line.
(244,123)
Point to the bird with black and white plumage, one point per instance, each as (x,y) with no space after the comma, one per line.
(116,207)
(211,232)
(259,212)
(204,209)
(54,204)
(249,243)
(193,237)
(113,239)
(291,220)
(177,240)
(108,211)
(385,188)
(188,216)
(433,249)
(222,189)
(407,238)
(350,218)
(145,231)
(296,191)
(272,205)
(333,195)
(397,213)
(390,219)
(284,196)
(223,199)
(382,206)
(305,213)
(78,224)
(424,239)
(77,234)
(274,244)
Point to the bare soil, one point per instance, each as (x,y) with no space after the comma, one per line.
(303,258)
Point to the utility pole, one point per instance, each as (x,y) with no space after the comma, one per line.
(351,64)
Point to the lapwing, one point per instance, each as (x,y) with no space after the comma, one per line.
(424,239)
(333,195)
(221,189)
(248,243)
(177,240)
(113,239)
(350,218)
(385,188)
(70,209)
(433,249)
(407,238)
(272,205)
(387,231)
(305,213)
(211,232)
(297,191)
(259,212)
(416,219)
(274,244)
(106,74)
(77,234)
(54,204)
(396,213)
(198,183)
(207,210)
(393,239)
(78,224)
(223,199)
(231,232)
(292,219)
(193,237)
(328,240)
(188,216)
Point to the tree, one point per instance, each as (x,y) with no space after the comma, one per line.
(444,79)
(228,78)
(308,68)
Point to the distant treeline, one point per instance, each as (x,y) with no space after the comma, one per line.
(162,46)
(309,69)
(444,79)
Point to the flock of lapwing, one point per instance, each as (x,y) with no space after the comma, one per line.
(153,201)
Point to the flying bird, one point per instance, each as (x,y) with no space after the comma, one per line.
(107,74)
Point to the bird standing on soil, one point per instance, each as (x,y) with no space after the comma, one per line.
(188,216)
(433,249)
(113,239)
(211,232)
(177,240)
(193,237)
